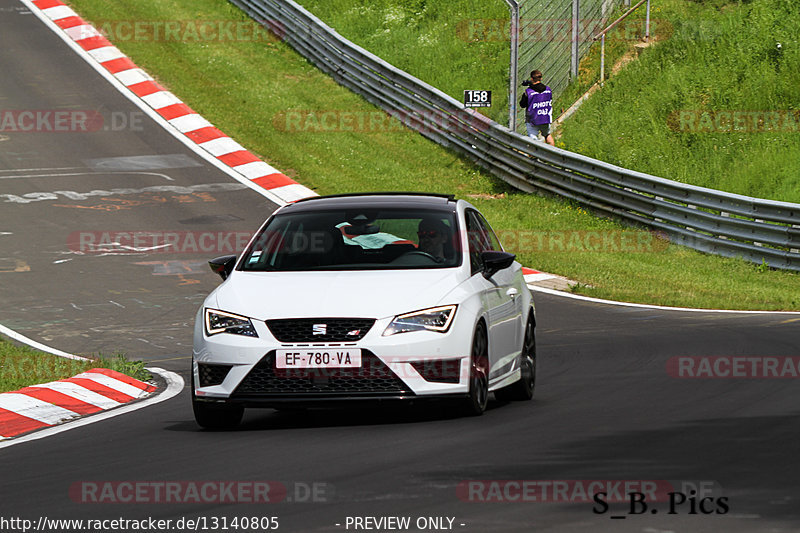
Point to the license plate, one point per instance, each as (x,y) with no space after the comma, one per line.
(318,358)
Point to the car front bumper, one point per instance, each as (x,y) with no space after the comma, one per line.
(400,367)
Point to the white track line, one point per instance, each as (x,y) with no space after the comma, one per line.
(38,345)
(660,307)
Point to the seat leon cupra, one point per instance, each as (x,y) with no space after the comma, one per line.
(365,297)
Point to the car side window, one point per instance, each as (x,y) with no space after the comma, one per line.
(494,242)
(477,242)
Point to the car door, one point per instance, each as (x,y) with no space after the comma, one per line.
(499,296)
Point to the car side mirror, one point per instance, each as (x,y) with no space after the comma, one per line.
(223,265)
(494,261)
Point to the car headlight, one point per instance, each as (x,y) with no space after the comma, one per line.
(222,322)
(433,319)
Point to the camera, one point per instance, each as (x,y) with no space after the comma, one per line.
(527,83)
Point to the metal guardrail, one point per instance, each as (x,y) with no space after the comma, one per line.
(704,219)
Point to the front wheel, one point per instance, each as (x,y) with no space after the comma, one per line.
(475,403)
(522,389)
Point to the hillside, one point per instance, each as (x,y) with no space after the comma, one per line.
(715,103)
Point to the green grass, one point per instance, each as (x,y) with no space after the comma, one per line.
(247,88)
(619,41)
(22,366)
(720,57)
(454,45)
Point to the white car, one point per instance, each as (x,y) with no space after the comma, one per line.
(391,296)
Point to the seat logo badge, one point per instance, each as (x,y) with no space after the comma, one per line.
(320,329)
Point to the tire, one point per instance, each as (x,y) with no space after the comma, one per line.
(214,416)
(523,388)
(475,404)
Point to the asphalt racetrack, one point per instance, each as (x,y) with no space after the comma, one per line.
(615,405)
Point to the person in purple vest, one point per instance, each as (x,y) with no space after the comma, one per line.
(537,100)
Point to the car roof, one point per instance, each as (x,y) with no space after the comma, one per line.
(396,200)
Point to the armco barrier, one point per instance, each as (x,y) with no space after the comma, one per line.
(704,219)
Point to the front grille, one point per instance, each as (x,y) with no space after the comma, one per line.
(327,329)
(212,374)
(439,370)
(372,378)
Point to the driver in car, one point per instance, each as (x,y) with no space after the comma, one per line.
(433,235)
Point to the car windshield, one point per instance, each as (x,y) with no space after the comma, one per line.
(356,239)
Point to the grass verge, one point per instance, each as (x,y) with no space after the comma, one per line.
(22,366)
(620,42)
(453,45)
(247,86)
(715,103)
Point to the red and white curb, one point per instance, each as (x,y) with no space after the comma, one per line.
(542,280)
(50,404)
(532,276)
(180,116)
(40,410)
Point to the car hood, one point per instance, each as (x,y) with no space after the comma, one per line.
(370,294)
